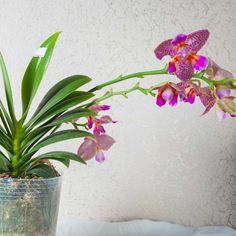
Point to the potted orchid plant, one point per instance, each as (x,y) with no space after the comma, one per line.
(29,183)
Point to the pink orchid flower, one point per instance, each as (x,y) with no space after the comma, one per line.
(225,107)
(98,108)
(183,51)
(207,99)
(168,93)
(94,147)
(190,92)
(97,123)
(215,72)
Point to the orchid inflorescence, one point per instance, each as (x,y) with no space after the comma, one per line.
(94,146)
(191,69)
(20,139)
(184,62)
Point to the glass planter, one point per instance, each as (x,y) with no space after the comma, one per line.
(29,207)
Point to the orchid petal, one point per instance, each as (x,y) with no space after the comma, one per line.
(191,96)
(87,149)
(171,67)
(168,94)
(179,39)
(90,122)
(208,107)
(226,104)
(105,107)
(105,141)
(173,102)
(221,115)
(222,74)
(197,39)
(222,91)
(184,71)
(99,129)
(106,119)
(160,101)
(200,63)
(165,48)
(206,96)
(100,157)
(98,108)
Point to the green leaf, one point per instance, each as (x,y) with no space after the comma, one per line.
(5,141)
(63,157)
(61,136)
(70,101)
(4,163)
(5,117)
(35,71)
(42,170)
(58,92)
(72,115)
(35,136)
(7,87)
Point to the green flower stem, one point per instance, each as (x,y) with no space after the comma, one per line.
(123,93)
(130,76)
(163,71)
(225,81)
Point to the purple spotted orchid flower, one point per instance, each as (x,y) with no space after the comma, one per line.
(98,123)
(168,92)
(94,147)
(183,51)
(225,106)
(215,72)
(190,92)
(224,103)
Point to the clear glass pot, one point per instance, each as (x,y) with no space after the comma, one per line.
(29,207)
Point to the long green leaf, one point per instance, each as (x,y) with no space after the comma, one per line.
(35,71)
(70,101)
(4,163)
(4,122)
(72,115)
(64,157)
(58,92)
(7,87)
(54,138)
(34,136)
(6,116)
(5,141)
(61,136)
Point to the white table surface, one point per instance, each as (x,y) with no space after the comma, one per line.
(136,228)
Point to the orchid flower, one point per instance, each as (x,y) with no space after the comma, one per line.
(225,107)
(215,72)
(190,92)
(183,51)
(94,147)
(168,92)
(97,123)
(100,142)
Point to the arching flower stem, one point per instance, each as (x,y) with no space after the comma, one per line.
(161,72)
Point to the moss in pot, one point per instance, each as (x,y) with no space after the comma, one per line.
(29,184)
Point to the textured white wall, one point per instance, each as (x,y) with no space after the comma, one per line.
(168,164)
